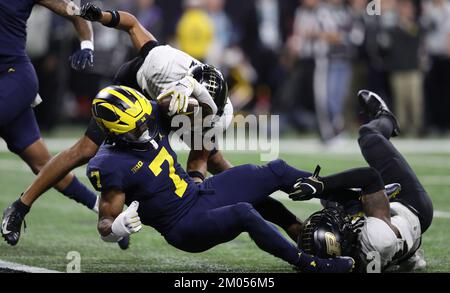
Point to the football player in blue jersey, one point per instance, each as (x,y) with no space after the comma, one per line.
(137,167)
(19,91)
(155,70)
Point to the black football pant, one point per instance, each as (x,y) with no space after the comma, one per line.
(382,155)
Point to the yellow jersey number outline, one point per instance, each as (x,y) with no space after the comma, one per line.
(96,176)
(156,167)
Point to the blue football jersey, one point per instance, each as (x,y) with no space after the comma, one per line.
(13,28)
(154,178)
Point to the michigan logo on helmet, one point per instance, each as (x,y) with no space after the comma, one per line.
(126,117)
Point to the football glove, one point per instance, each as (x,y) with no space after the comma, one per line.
(91,12)
(81,58)
(128,222)
(180,94)
(307,188)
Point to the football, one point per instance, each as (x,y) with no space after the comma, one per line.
(192,108)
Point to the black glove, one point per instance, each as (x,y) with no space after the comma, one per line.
(91,12)
(307,188)
(81,58)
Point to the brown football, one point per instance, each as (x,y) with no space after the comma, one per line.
(164,103)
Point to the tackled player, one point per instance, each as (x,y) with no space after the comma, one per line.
(391,225)
(137,167)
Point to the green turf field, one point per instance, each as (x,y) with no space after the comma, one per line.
(57,225)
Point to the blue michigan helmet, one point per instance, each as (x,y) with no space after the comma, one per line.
(126,117)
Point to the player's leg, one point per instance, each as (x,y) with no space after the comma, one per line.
(275,212)
(59,167)
(23,138)
(37,156)
(205,228)
(18,89)
(270,209)
(251,183)
(382,155)
(49,173)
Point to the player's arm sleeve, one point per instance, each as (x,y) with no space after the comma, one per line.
(95,133)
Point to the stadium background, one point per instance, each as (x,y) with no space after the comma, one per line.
(303,60)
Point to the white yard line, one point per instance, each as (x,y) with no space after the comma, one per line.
(303,146)
(24,268)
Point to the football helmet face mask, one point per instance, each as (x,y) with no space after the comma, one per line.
(328,233)
(125,115)
(214,82)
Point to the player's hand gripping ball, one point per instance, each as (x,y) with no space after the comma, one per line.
(177,100)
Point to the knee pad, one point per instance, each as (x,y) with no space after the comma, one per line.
(365,129)
(243,211)
(368,136)
(278,167)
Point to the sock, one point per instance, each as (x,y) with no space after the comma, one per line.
(80,193)
(22,208)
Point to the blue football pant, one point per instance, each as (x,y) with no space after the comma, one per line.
(18,89)
(225,210)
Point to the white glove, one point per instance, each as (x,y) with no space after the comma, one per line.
(127,222)
(180,94)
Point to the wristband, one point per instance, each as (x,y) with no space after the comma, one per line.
(87,45)
(115,18)
(196,174)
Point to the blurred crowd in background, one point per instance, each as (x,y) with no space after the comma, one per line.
(304,60)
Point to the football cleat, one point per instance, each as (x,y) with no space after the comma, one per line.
(124,243)
(374,106)
(392,190)
(12,220)
(339,264)
(307,188)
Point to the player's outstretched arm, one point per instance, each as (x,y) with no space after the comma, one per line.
(85,56)
(121,20)
(58,167)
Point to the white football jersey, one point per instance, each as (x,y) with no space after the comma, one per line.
(162,68)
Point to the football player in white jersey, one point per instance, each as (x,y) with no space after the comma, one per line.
(389,234)
(158,70)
